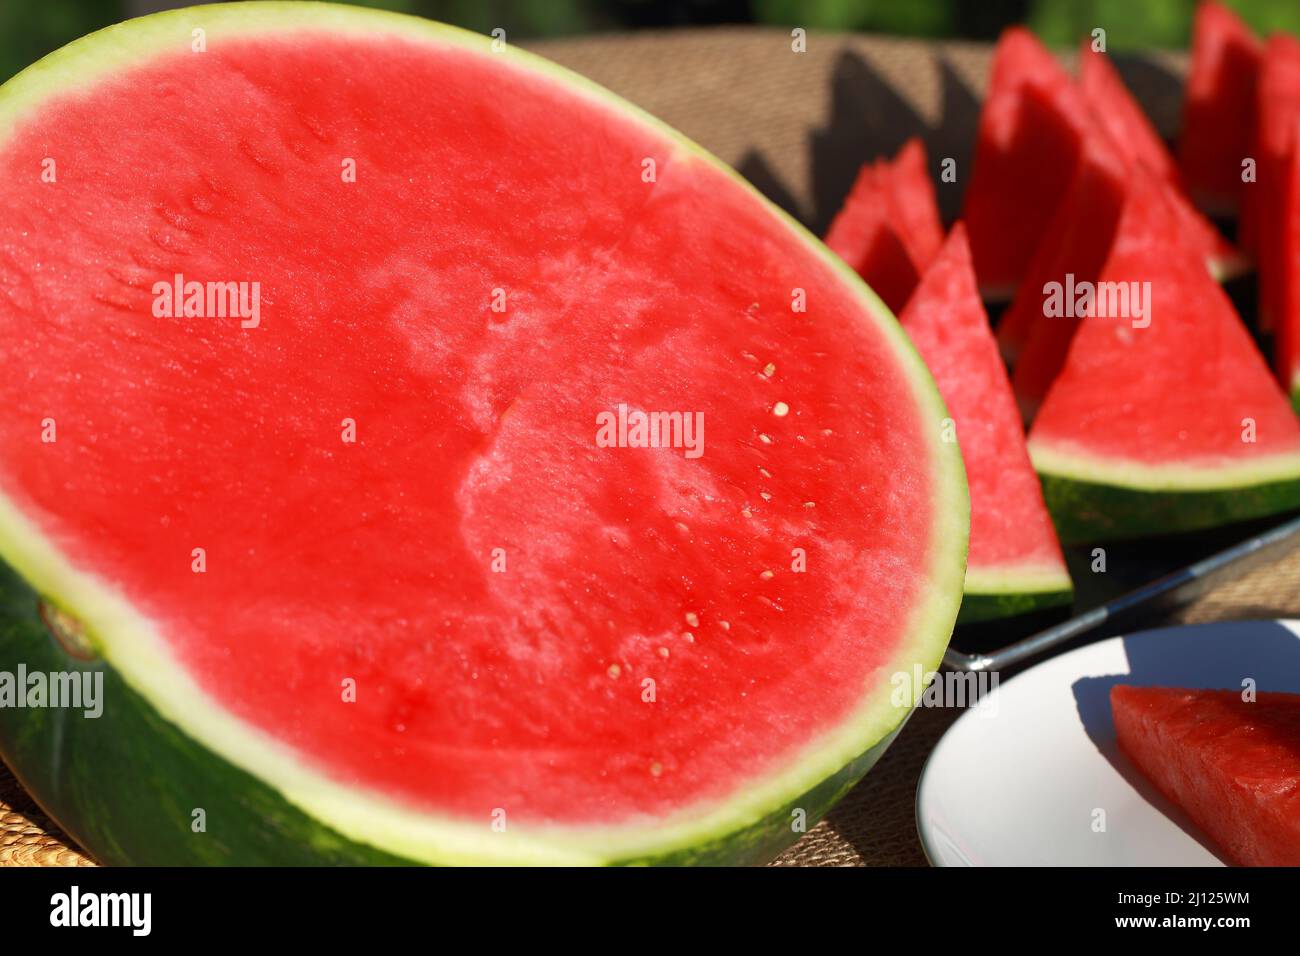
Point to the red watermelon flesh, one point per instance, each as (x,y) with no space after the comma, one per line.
(476,429)
(1232,765)
(1218,108)
(1262,223)
(1121,116)
(1030,130)
(889,229)
(911,198)
(1077,243)
(1015,559)
(1073,252)
(1287,341)
(1173,396)
(1121,120)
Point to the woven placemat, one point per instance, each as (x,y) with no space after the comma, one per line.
(798,125)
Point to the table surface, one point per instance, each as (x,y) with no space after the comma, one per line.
(798,125)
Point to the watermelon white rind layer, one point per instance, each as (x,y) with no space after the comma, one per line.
(1095,499)
(126,784)
(999,592)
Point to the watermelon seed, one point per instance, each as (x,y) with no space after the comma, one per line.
(769,370)
(725,625)
(692,619)
(656,769)
(765,496)
(767,575)
(780,409)
(765,439)
(663,652)
(614,670)
(688,637)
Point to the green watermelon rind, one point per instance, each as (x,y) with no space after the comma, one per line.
(1099,501)
(977,607)
(244,821)
(1008,590)
(164,746)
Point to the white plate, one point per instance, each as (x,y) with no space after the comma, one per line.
(1026,777)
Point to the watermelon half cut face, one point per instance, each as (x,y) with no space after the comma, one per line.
(400,554)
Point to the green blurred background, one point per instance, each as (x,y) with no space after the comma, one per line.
(31,28)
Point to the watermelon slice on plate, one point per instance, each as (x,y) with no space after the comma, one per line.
(416,550)
(1218,108)
(889,229)
(1262,224)
(1015,562)
(1232,765)
(1164,417)
(1030,130)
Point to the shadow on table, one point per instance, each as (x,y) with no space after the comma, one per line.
(1207,656)
(870,119)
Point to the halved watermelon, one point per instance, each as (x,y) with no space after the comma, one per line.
(1030,130)
(1232,765)
(1218,108)
(1169,420)
(889,229)
(1015,562)
(390,573)
(1262,224)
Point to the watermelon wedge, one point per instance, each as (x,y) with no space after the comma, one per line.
(1117,139)
(1262,223)
(1036,330)
(1120,115)
(889,229)
(1164,417)
(1120,119)
(426,558)
(1073,252)
(1232,765)
(1287,340)
(1218,108)
(1015,562)
(1030,130)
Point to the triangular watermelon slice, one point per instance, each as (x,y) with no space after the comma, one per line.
(1165,417)
(1262,224)
(1032,335)
(1287,341)
(1121,115)
(1015,562)
(1219,108)
(1120,118)
(889,229)
(1030,131)
(1232,765)
(1118,139)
